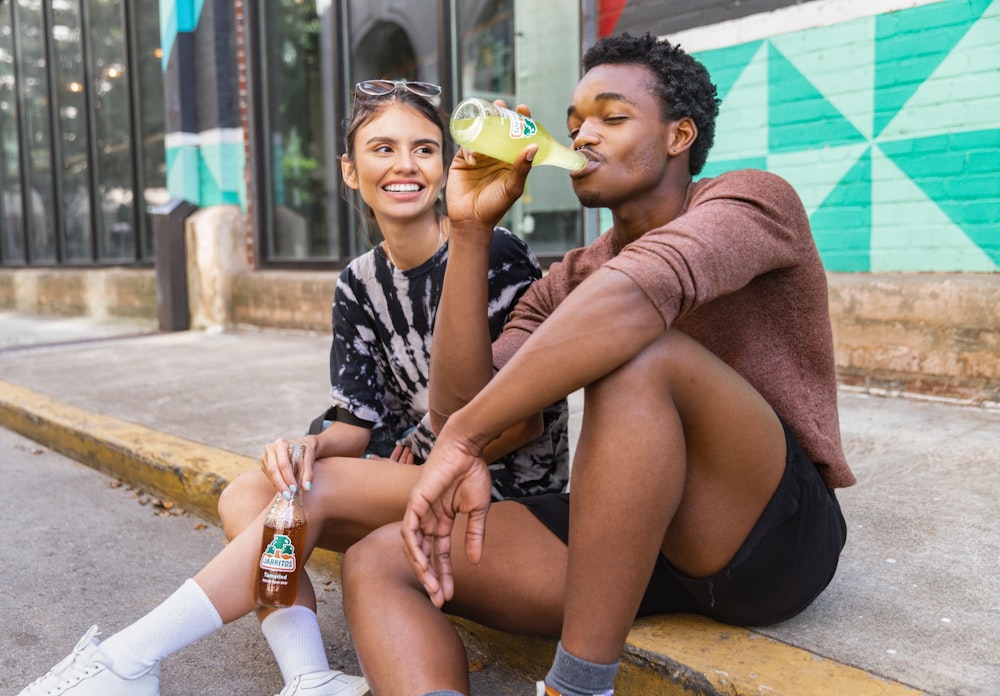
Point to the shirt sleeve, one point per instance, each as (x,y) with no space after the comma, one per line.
(355,380)
(736,227)
(544,295)
(513,269)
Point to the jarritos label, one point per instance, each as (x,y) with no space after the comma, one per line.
(522,126)
(279,555)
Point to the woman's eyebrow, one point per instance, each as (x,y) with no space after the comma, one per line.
(395,142)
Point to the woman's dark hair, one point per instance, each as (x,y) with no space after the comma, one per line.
(367,107)
(682,83)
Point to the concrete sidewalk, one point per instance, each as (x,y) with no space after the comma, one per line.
(915,606)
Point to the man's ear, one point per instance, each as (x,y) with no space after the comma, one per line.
(347,169)
(683,133)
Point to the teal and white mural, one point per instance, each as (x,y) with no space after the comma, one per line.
(887,125)
(204,140)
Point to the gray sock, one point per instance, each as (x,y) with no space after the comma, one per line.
(571,676)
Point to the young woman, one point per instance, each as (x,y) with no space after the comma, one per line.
(358,471)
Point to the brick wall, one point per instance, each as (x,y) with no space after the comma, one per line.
(885,124)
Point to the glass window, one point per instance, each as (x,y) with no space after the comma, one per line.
(34,85)
(77,242)
(147,59)
(11,208)
(507,50)
(113,172)
(293,101)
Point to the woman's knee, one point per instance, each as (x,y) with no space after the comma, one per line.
(242,500)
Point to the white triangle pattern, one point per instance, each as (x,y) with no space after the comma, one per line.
(910,232)
(815,173)
(839,61)
(741,130)
(963,93)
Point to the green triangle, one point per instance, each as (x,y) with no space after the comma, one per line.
(963,92)
(725,65)
(815,174)
(958,171)
(801,117)
(842,225)
(910,232)
(839,61)
(211,192)
(910,44)
(741,128)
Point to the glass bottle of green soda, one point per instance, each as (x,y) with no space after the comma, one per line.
(484,127)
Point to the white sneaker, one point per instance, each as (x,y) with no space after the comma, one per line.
(81,674)
(328,683)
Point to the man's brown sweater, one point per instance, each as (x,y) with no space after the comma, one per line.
(737,270)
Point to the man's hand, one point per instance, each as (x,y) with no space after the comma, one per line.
(482,189)
(454,480)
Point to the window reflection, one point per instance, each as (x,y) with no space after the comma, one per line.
(152,117)
(294,113)
(507,52)
(72,119)
(112,124)
(34,85)
(11,208)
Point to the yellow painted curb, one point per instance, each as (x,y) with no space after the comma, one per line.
(171,467)
(686,655)
(188,473)
(669,655)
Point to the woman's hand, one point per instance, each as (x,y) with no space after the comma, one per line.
(403,454)
(453,480)
(277,466)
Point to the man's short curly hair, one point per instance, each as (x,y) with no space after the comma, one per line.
(682,83)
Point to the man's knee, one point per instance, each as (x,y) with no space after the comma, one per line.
(375,558)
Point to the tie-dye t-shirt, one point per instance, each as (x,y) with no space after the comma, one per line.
(383,319)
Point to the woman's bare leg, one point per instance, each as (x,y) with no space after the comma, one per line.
(349,498)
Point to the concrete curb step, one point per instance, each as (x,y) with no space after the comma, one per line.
(664,654)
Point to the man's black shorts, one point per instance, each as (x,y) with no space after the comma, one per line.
(788,559)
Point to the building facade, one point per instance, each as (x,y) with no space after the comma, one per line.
(882,114)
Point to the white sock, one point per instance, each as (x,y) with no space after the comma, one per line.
(184,617)
(294,637)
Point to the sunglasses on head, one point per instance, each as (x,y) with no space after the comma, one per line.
(379,88)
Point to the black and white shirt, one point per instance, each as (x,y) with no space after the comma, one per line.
(383,319)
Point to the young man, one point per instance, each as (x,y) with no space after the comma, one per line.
(698,327)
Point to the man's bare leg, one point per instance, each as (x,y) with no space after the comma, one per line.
(406,645)
(677,453)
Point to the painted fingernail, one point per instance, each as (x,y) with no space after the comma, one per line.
(293,488)
(286,495)
(308,485)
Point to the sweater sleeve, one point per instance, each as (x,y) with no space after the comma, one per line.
(735,228)
(544,295)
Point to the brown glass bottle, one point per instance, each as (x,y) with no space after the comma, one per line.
(282,547)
